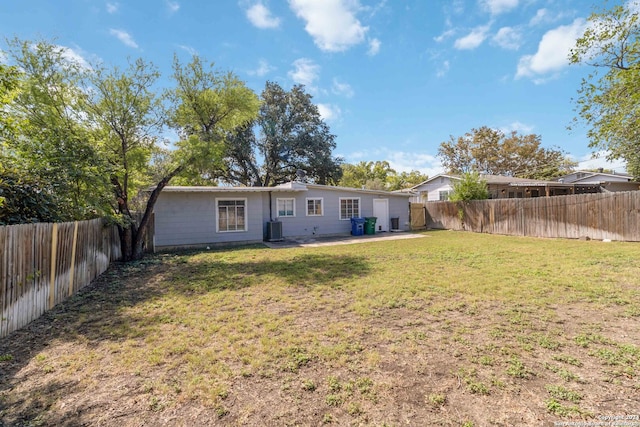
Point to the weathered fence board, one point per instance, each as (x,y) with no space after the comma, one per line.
(41,265)
(614,216)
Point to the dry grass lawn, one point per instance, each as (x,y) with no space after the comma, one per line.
(454,329)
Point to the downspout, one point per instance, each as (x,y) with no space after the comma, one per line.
(270,208)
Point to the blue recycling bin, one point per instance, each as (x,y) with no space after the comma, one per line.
(357,226)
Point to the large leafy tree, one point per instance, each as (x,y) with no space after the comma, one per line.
(23,199)
(52,138)
(609,100)
(216,108)
(370,175)
(490,151)
(288,136)
(10,80)
(378,175)
(94,136)
(284,134)
(131,118)
(406,179)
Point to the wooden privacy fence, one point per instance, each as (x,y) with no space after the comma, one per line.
(44,264)
(614,216)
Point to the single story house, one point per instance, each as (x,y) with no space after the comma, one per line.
(600,182)
(439,187)
(202,216)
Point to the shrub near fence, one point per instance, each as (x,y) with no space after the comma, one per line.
(600,216)
(44,264)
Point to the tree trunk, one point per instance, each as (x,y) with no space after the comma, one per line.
(132,238)
(126,243)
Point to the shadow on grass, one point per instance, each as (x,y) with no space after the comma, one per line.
(97,314)
(308,270)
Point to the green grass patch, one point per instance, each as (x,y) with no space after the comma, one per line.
(346,327)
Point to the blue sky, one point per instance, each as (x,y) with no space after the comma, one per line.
(392,78)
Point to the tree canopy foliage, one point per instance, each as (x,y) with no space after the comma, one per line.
(378,175)
(609,97)
(87,141)
(490,151)
(82,140)
(470,187)
(288,136)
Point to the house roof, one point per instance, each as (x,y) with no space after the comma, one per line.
(433,178)
(359,190)
(602,178)
(288,187)
(499,179)
(223,189)
(589,174)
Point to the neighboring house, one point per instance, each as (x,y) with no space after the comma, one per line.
(201,216)
(600,182)
(440,187)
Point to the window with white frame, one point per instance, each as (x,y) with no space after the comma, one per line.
(349,208)
(286,207)
(444,195)
(231,214)
(314,207)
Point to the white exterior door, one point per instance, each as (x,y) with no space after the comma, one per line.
(381,211)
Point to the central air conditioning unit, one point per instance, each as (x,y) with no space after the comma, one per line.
(274,231)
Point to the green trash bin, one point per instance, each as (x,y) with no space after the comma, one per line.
(370,225)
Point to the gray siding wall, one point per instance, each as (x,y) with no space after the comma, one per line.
(183,219)
(189,218)
(330,223)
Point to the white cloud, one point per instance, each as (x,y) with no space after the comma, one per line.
(444,69)
(261,17)
(373,10)
(633,6)
(173,6)
(541,16)
(331,23)
(457,7)
(263,69)
(545,16)
(73,56)
(113,7)
(374,47)
(496,7)
(403,161)
(343,89)
(329,112)
(305,71)
(445,35)
(406,162)
(599,160)
(190,50)
(124,37)
(517,127)
(552,53)
(508,38)
(473,39)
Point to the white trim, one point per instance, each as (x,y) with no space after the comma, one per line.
(278,208)
(306,206)
(340,199)
(246,214)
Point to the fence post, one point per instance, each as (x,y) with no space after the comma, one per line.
(54,253)
(73,257)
